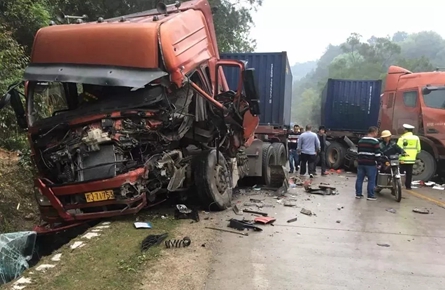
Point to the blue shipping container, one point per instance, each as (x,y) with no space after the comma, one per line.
(351,105)
(274,81)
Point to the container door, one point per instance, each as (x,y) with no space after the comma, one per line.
(406,109)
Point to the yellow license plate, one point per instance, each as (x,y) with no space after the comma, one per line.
(99,196)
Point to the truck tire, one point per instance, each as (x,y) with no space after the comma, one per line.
(213,180)
(335,153)
(269,158)
(280,153)
(425,166)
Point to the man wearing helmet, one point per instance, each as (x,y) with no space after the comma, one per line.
(388,147)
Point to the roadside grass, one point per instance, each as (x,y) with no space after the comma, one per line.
(112,261)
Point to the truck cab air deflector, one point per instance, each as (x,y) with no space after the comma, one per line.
(94,75)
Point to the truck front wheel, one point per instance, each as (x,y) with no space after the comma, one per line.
(425,166)
(213,180)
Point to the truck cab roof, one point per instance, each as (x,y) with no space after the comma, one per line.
(174,42)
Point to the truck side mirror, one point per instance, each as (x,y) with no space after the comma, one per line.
(251,91)
(12,97)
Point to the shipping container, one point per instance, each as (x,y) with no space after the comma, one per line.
(350,105)
(274,80)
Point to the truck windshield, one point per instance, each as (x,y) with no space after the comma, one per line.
(435,99)
(46,99)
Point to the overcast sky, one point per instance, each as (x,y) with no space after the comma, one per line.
(305,30)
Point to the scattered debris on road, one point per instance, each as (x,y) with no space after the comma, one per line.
(142,225)
(383,245)
(264,220)
(152,240)
(241,225)
(306,212)
(183,212)
(227,231)
(421,211)
(255,212)
(236,210)
(338,222)
(185,242)
(292,220)
(391,210)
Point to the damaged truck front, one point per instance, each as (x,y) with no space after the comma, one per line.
(122,112)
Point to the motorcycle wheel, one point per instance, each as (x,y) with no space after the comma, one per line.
(397,188)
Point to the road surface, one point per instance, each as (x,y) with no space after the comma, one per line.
(349,244)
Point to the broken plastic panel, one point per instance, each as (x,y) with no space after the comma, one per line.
(16,249)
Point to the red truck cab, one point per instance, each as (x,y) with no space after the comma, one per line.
(417,99)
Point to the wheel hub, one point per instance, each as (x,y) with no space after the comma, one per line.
(418,167)
(220,178)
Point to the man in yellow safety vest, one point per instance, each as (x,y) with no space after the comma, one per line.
(410,143)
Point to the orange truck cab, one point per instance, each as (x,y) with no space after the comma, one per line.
(122,113)
(417,99)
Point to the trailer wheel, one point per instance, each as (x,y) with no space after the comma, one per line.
(280,153)
(269,158)
(335,153)
(213,180)
(425,166)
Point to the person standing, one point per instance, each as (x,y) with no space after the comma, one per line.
(322,138)
(308,147)
(410,143)
(368,151)
(292,138)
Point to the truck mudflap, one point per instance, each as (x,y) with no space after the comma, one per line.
(255,154)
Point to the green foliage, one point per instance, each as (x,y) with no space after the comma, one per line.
(12,62)
(366,60)
(20,20)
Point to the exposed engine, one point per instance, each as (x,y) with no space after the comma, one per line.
(149,131)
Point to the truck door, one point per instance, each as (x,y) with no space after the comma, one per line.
(406,109)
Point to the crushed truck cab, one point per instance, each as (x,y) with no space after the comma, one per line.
(124,112)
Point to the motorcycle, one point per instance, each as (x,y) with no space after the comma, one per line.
(391,180)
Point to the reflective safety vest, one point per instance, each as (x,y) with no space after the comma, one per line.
(411,144)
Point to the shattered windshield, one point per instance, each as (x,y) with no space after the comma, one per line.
(46,100)
(50,99)
(435,99)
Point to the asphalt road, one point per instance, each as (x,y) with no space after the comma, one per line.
(348,244)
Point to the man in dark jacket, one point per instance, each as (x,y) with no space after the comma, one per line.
(388,147)
(292,138)
(322,153)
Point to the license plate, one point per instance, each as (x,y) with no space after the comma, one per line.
(99,196)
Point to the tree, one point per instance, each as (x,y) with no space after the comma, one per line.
(23,18)
(356,59)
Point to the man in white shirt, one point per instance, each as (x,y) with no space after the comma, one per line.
(308,147)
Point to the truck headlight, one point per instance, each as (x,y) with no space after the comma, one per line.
(40,198)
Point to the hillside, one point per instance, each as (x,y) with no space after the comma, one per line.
(300,69)
(357,58)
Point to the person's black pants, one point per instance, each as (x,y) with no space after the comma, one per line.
(407,169)
(310,159)
(322,161)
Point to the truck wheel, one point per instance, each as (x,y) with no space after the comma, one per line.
(335,153)
(213,180)
(280,153)
(425,166)
(269,158)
